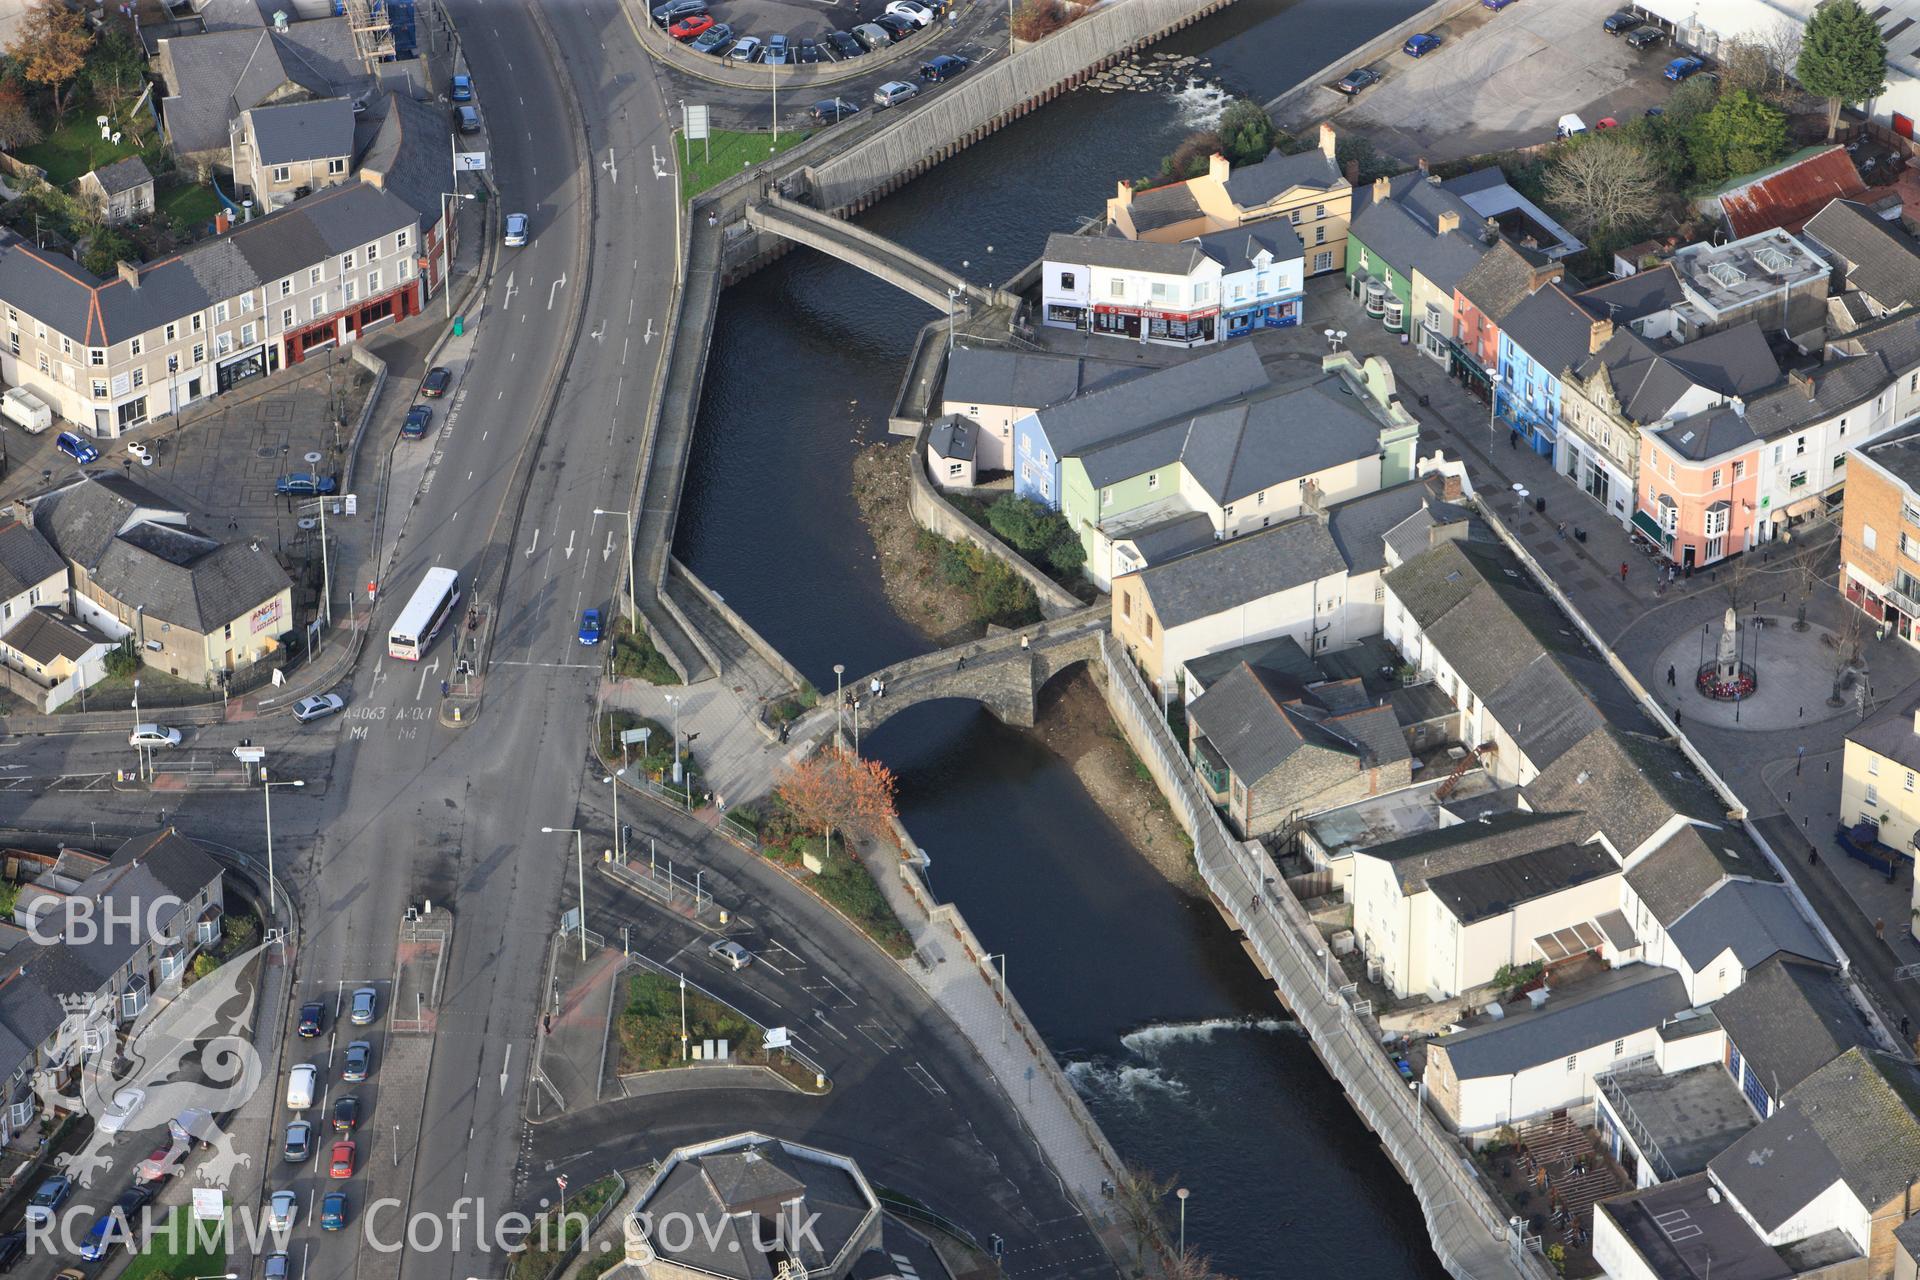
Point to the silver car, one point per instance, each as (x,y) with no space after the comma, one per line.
(153,735)
(730,953)
(516,233)
(318,706)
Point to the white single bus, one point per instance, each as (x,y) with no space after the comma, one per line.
(424,615)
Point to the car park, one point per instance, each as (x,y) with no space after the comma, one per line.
(341,1163)
(1615,23)
(1682,67)
(832,110)
(589,626)
(460,88)
(467,118)
(140,453)
(943,67)
(714,39)
(807,52)
(690,26)
(318,707)
(746,49)
(896,27)
(304,484)
(1570,126)
(333,1211)
(359,1061)
(1421,45)
(298,1147)
(363,1007)
(893,93)
(346,1113)
(1356,80)
(419,418)
(282,1209)
(436,383)
(76,448)
(918,14)
(778,53)
(123,1108)
(153,735)
(844,44)
(730,954)
(313,1019)
(1645,37)
(48,1197)
(871,37)
(667,14)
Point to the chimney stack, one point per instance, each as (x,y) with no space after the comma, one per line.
(1353,173)
(1328,143)
(1382,190)
(1218,167)
(1599,333)
(1916,720)
(130,274)
(1450,487)
(1802,382)
(1446,220)
(1123,193)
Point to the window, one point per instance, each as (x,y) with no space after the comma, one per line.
(1319,211)
(66,346)
(246,303)
(246,335)
(199,353)
(1779,451)
(400,240)
(286,317)
(1573,1062)
(313,276)
(1873,794)
(199,322)
(1716,478)
(1873,766)
(99,388)
(1203,293)
(316,307)
(139,378)
(1909,780)
(1909,547)
(1147,621)
(136,346)
(1839,461)
(1323,262)
(97,357)
(173,332)
(336,167)
(1739,468)
(1126,604)
(1106,497)
(220,313)
(1160,291)
(1716,523)
(1320,237)
(1293,216)
(373,283)
(1066,279)
(1118,289)
(1260,499)
(1870,540)
(1798,480)
(286,287)
(223,344)
(1153,480)
(43,364)
(373,252)
(346,261)
(1799,446)
(281,173)
(406,268)
(346,291)
(1619,1047)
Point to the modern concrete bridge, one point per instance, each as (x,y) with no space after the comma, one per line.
(877,256)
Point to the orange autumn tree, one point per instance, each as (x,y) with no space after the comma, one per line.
(834,789)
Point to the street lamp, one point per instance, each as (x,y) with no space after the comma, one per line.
(580,862)
(674,702)
(139,752)
(619,841)
(952,296)
(446,241)
(839,670)
(1183,1193)
(633,583)
(266,790)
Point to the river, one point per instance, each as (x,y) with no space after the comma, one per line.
(1177,1044)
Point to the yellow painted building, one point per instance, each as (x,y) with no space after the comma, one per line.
(1880,780)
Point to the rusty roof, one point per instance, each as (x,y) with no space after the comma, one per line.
(1788,197)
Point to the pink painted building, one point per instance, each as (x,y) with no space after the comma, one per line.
(1699,486)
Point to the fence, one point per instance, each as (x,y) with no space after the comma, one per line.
(1472,1240)
(660,882)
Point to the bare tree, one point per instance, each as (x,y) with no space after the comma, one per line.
(1195,1266)
(1744,64)
(1603,184)
(1846,655)
(1738,583)
(1781,41)
(1140,1199)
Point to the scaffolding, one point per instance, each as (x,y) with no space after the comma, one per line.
(372,29)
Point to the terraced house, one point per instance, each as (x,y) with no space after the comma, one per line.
(109,355)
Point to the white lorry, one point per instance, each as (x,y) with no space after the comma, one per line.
(26,410)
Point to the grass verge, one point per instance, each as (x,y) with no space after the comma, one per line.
(649,1030)
(725,154)
(181,1248)
(553,1234)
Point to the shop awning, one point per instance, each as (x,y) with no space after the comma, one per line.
(1647,525)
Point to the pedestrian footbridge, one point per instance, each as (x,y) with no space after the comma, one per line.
(877,256)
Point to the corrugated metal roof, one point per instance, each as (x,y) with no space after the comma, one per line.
(1789,196)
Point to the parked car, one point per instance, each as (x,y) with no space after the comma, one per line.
(460,88)
(807,52)
(358,1062)
(1682,67)
(896,27)
(313,1019)
(298,1147)
(115,1225)
(893,93)
(364,1005)
(467,118)
(745,49)
(832,110)
(589,626)
(341,1165)
(125,1104)
(870,37)
(276,1267)
(76,448)
(1645,37)
(1606,122)
(944,67)
(844,44)
(1615,23)
(153,735)
(1496,5)
(333,1211)
(51,1194)
(13,1247)
(714,39)
(514,234)
(156,1168)
(140,453)
(304,484)
(1570,125)
(436,383)
(778,53)
(692,25)
(302,1085)
(1421,45)
(419,418)
(730,954)
(1356,80)
(671,12)
(913,11)
(346,1114)
(282,1209)
(319,706)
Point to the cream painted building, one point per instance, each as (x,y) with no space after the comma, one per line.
(1880,783)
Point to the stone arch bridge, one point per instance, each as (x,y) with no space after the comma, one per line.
(999,672)
(876,255)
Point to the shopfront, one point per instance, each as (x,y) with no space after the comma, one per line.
(1269,315)
(349,325)
(253,363)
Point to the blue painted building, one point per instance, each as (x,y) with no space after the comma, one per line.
(1541,339)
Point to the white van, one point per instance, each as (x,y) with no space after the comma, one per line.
(300,1086)
(1570,125)
(26,411)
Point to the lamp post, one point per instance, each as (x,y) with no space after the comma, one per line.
(1183,1193)
(139,752)
(266,790)
(839,670)
(633,583)
(446,241)
(619,841)
(953,296)
(674,702)
(580,863)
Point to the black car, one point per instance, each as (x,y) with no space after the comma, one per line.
(944,67)
(346,1114)
(844,44)
(667,14)
(1356,80)
(895,25)
(807,51)
(313,1019)
(1645,37)
(13,1247)
(830,110)
(435,384)
(1618,22)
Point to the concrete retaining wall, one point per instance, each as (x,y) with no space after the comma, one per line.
(1298,105)
(757,642)
(934,513)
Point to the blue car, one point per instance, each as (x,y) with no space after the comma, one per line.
(590,626)
(1496,5)
(115,1226)
(76,448)
(1681,68)
(461,90)
(1421,45)
(304,484)
(333,1211)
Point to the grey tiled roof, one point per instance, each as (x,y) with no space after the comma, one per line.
(1360,525)
(211,78)
(1162,394)
(1677,874)
(1851,1121)
(1253,185)
(293,132)
(1402,230)
(1495,888)
(1890,731)
(1124,255)
(1488,838)
(1838,385)
(1255,719)
(1553,329)
(953,436)
(46,634)
(1281,654)
(1236,247)
(1240,570)
(1754,920)
(1734,361)
(1026,379)
(1789,1018)
(1163,207)
(731,1189)
(1611,1006)
(409,155)
(1633,785)
(26,559)
(1708,434)
(1634,297)
(122,175)
(1500,280)
(1175,536)
(1878,258)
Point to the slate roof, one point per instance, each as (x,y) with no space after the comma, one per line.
(731,1191)
(1493,837)
(1124,255)
(1633,785)
(409,156)
(45,634)
(1360,525)
(1501,279)
(26,559)
(1649,380)
(294,132)
(1555,331)
(1239,570)
(1755,920)
(1851,1121)
(1109,412)
(1163,207)
(1236,247)
(122,175)
(93,312)
(1889,731)
(1258,719)
(1686,1230)
(953,436)
(1175,536)
(1734,361)
(1789,1018)
(1402,230)
(1708,434)
(1281,653)
(1026,379)
(1788,197)
(1253,185)
(1838,385)
(1603,1009)
(1495,888)
(211,78)
(1876,257)
(1634,297)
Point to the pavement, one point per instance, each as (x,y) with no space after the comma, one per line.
(571,1044)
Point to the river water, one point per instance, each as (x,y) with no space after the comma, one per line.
(1165,1026)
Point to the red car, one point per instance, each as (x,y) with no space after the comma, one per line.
(688,28)
(342,1160)
(1607,122)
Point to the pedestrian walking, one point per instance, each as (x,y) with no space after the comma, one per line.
(873,687)
(443,688)
(546,1023)
(713,219)
(1673,681)
(1906,1029)
(1023,643)
(786,731)
(1813,857)
(1880,929)
(1513,439)
(1623,571)
(960,664)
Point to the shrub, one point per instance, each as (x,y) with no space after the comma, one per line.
(123,660)
(1036,19)
(1246,132)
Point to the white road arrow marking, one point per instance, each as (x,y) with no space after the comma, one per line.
(535,543)
(569,544)
(508,301)
(421,692)
(555,288)
(504,1062)
(609,547)
(649,334)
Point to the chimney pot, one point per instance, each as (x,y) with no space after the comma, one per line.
(1599,333)
(1382,189)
